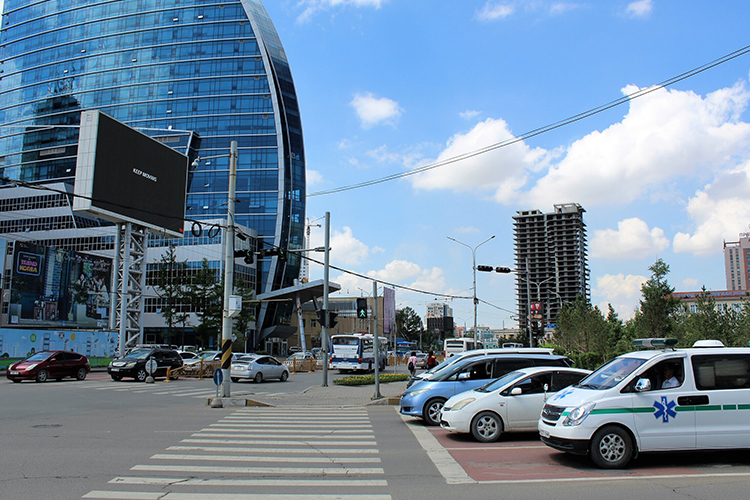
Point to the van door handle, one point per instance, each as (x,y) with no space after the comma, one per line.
(692,400)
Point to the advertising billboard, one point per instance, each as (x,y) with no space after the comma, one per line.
(54,287)
(123,175)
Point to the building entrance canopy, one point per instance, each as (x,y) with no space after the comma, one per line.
(306,292)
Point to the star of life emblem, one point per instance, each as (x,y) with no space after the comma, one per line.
(665,409)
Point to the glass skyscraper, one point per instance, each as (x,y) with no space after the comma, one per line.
(195,74)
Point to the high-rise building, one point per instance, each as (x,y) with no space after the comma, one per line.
(737,262)
(440,319)
(551,261)
(195,75)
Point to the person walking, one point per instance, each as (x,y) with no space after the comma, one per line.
(411,363)
(431,360)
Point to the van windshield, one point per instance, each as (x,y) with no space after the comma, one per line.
(611,374)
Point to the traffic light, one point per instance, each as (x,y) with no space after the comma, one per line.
(322,317)
(248,255)
(503,270)
(332,321)
(486,269)
(362,308)
(281,253)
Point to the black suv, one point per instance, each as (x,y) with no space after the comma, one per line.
(134,363)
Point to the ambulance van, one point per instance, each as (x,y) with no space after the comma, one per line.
(660,399)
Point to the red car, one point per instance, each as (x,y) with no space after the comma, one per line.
(44,365)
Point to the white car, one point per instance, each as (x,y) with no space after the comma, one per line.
(511,403)
(258,368)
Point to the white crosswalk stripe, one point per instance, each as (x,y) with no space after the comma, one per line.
(331,452)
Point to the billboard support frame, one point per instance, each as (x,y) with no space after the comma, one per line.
(130,276)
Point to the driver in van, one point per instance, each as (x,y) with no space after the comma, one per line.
(669,377)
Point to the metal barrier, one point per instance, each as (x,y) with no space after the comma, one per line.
(200,370)
(306,365)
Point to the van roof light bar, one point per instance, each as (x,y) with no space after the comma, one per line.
(654,343)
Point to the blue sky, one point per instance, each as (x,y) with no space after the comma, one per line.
(386,86)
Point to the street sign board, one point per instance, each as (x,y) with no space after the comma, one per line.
(218,377)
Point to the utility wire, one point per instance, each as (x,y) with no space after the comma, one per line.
(544,129)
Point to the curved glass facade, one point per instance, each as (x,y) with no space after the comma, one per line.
(197,74)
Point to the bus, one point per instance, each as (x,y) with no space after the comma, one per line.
(354,352)
(452,347)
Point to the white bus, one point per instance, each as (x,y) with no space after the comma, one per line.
(354,351)
(451,347)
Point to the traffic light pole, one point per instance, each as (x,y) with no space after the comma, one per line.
(376,339)
(326,272)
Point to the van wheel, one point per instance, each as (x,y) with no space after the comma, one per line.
(611,447)
(431,411)
(486,427)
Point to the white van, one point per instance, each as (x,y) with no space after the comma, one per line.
(654,400)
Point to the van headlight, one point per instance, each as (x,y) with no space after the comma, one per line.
(578,415)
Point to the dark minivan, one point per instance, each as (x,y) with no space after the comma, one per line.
(133,365)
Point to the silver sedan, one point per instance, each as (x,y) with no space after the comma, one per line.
(258,368)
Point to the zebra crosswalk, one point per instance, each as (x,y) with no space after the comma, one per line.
(264,453)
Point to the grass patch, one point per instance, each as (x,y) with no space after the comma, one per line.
(370,379)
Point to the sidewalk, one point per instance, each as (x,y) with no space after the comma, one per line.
(336,396)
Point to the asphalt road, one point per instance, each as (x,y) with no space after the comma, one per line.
(102,439)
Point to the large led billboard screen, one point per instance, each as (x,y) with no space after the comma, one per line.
(123,175)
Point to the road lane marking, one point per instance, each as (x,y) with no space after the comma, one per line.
(359,483)
(446,465)
(285,430)
(247,458)
(295,442)
(324,451)
(252,434)
(129,495)
(260,470)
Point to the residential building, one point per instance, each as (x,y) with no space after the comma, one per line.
(724,299)
(192,74)
(737,263)
(551,261)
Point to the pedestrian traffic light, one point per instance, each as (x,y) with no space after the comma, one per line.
(332,321)
(486,269)
(362,308)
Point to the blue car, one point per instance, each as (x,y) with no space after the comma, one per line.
(425,398)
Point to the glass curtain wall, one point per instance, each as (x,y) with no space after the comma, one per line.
(197,74)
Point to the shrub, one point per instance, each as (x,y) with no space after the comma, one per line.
(370,379)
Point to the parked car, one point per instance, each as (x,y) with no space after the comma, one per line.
(187,355)
(424,398)
(258,368)
(511,403)
(44,365)
(133,365)
(300,356)
(205,356)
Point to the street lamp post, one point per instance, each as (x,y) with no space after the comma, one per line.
(474,269)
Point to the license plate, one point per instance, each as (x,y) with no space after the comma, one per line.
(14,373)
(544,434)
(115,369)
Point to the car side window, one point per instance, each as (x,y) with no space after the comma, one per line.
(503,366)
(721,371)
(561,380)
(534,384)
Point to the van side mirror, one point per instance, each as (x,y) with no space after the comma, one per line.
(516,391)
(643,385)
(546,387)
(464,376)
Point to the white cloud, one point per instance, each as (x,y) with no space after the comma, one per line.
(688,285)
(720,211)
(667,135)
(467,230)
(631,240)
(346,250)
(469,114)
(313,177)
(492,12)
(622,292)
(640,8)
(312,7)
(503,170)
(373,111)
(558,8)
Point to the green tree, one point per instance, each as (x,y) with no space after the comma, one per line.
(581,328)
(657,305)
(170,284)
(243,321)
(409,325)
(206,293)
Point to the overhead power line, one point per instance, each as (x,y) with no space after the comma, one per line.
(541,130)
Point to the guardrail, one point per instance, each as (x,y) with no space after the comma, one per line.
(200,370)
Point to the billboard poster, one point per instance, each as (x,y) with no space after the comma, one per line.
(389,311)
(17,343)
(55,287)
